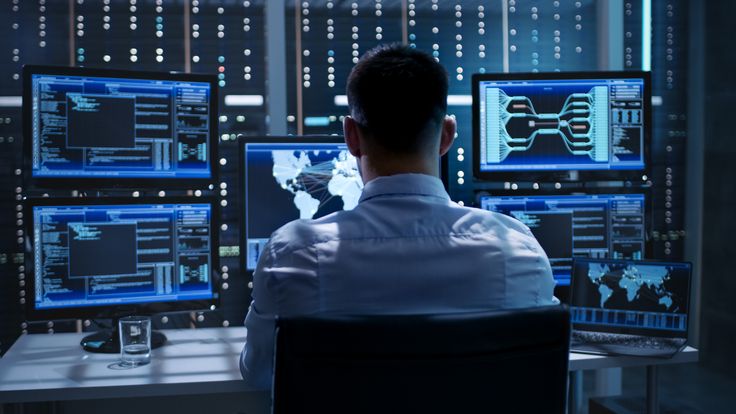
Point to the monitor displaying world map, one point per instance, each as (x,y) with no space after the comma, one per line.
(290,179)
(631,294)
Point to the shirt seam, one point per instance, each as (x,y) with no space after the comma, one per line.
(541,270)
(504,279)
(318,274)
(478,235)
(271,260)
(284,248)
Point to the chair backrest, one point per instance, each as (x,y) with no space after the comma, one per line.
(512,361)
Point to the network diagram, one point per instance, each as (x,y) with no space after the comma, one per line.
(288,180)
(314,182)
(514,125)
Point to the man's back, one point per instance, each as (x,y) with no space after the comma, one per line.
(406,248)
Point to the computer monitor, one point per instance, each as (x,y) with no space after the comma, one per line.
(561,126)
(567,226)
(106,258)
(289,178)
(632,297)
(91,127)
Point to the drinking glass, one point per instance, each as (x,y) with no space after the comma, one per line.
(135,340)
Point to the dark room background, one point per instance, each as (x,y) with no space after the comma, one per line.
(282,66)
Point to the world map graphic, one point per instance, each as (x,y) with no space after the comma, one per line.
(314,177)
(633,280)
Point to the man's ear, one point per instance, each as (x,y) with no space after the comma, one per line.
(449,127)
(352,138)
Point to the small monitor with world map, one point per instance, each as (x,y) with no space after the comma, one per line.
(631,296)
(289,178)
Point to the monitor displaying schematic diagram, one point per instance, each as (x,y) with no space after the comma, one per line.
(290,178)
(594,123)
(592,225)
(144,127)
(103,254)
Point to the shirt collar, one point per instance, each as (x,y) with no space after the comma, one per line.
(404,184)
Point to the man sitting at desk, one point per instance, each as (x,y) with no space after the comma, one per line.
(406,248)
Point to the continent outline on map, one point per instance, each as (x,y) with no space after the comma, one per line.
(339,177)
(632,280)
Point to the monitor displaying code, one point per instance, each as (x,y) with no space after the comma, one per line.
(95,255)
(102,127)
(289,181)
(561,124)
(567,226)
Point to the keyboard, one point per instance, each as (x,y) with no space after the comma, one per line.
(621,344)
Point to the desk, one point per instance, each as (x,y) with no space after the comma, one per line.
(55,368)
(194,361)
(581,362)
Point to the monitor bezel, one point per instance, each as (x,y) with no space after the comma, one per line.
(564,290)
(660,333)
(85,182)
(569,175)
(109,311)
(244,140)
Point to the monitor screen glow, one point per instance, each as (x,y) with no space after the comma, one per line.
(567,226)
(598,124)
(107,255)
(293,178)
(94,124)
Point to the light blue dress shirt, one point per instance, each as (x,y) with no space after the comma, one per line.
(405,249)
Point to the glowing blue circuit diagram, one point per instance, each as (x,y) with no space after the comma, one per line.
(560,124)
(515,125)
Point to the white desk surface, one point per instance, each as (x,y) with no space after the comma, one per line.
(44,367)
(580,362)
(54,367)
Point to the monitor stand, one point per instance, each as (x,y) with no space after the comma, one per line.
(107,341)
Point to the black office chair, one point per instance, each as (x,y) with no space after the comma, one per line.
(512,361)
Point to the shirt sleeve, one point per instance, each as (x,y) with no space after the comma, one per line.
(256,360)
(284,285)
(546,281)
(529,280)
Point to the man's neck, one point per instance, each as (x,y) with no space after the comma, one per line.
(370,170)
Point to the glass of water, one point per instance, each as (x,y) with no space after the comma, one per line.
(135,341)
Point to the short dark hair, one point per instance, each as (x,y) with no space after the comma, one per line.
(398,94)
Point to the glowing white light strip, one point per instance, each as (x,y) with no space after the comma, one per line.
(341,100)
(452,100)
(646,34)
(11,101)
(243,100)
(460,100)
(505,32)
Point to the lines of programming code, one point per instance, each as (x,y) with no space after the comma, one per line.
(602,226)
(122,128)
(121,254)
